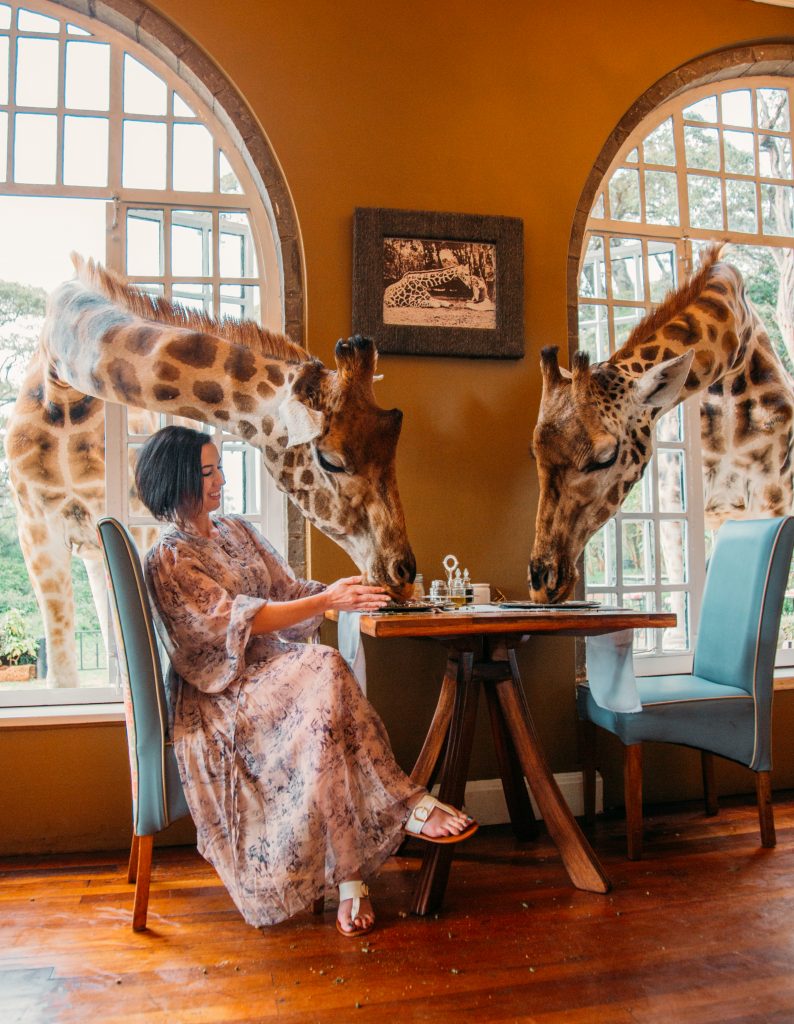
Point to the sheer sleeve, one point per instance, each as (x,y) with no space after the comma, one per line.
(285,586)
(205,631)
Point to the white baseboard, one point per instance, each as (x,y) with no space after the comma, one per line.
(485,799)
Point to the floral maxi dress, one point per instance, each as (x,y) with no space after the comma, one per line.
(287,768)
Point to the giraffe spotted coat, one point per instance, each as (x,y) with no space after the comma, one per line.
(287,768)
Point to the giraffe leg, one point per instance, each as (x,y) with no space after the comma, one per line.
(49,568)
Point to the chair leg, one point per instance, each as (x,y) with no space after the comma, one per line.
(709,783)
(587,740)
(143,877)
(766,816)
(632,791)
(132,866)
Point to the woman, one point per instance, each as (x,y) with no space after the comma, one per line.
(287,768)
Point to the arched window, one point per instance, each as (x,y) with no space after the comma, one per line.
(713,163)
(106,150)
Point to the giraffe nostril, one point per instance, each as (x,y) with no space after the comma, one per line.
(403,570)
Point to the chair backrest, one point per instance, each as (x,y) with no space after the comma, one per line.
(157,792)
(743,601)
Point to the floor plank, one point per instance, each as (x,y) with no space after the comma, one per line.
(701,931)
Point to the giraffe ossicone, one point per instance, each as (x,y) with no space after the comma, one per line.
(595,430)
(322,436)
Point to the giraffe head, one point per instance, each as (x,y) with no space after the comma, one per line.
(338,462)
(592,442)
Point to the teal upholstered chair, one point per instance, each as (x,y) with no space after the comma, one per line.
(157,794)
(724,706)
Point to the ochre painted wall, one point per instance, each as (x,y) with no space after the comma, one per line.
(496,108)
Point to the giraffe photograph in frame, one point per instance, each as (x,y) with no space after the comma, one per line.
(439,284)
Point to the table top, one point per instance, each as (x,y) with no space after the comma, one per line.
(562,622)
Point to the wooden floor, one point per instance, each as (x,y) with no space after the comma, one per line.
(700,932)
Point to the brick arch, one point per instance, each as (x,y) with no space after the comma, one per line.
(166,41)
(765,57)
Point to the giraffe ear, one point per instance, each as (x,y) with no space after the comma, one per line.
(302,422)
(565,374)
(661,386)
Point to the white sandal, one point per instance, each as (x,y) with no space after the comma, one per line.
(355,891)
(422,810)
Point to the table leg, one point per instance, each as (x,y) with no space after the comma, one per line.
(437,859)
(525,826)
(577,855)
(425,766)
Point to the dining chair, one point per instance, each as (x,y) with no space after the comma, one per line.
(157,795)
(724,706)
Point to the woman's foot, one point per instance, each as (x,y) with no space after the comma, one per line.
(438,823)
(355,915)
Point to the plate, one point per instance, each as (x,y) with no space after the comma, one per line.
(391,608)
(563,607)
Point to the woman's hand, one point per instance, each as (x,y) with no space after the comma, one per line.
(351,595)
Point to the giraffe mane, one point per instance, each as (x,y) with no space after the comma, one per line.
(675,302)
(247,333)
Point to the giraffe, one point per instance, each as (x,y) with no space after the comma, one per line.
(595,428)
(323,438)
(414,288)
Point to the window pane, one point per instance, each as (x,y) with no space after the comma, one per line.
(228,179)
(192,158)
(145,243)
(242,302)
(624,194)
(773,109)
(659,147)
(144,92)
(592,280)
(594,331)
(702,147)
(37,73)
(661,274)
(191,243)
(3,69)
(3,145)
(238,256)
(661,197)
(673,544)
(676,638)
(87,76)
(672,482)
(739,152)
(34,148)
(703,110)
(5,16)
(737,108)
(242,466)
(774,154)
(598,207)
(671,426)
(181,109)
(776,204)
(640,497)
(740,197)
(143,155)
(705,202)
(627,277)
(600,557)
(638,553)
(85,151)
(29,21)
(625,319)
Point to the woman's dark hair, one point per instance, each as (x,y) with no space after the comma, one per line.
(168,472)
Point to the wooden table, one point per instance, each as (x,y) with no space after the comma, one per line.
(481,653)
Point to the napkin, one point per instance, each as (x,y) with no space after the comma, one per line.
(351,647)
(610,672)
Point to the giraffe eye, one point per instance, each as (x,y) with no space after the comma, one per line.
(330,463)
(593,467)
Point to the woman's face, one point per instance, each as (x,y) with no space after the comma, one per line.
(212,479)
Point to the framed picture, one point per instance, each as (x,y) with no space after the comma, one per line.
(439,284)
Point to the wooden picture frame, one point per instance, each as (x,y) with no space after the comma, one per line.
(439,284)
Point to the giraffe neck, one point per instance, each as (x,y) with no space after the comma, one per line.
(709,316)
(107,352)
